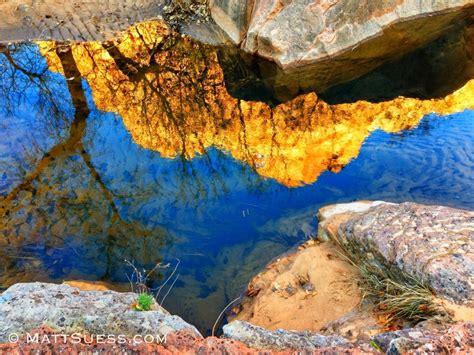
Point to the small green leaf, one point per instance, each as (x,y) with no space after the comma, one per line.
(145,302)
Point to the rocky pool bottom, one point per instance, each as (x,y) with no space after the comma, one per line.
(440,240)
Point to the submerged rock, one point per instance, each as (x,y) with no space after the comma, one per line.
(324,43)
(430,243)
(68,310)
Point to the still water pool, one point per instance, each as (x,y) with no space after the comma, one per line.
(81,190)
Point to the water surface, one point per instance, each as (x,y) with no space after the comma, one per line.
(90,175)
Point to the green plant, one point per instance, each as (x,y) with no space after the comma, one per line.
(139,280)
(144,302)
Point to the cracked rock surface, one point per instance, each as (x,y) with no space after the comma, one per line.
(431,243)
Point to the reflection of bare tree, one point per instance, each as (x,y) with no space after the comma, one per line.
(76,131)
(25,72)
(22,209)
(171,95)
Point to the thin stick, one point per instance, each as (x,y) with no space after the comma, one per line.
(157,266)
(169,290)
(169,278)
(220,315)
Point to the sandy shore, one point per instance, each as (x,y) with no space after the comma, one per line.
(304,290)
(72,20)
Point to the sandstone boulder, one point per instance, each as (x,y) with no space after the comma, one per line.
(431,243)
(318,44)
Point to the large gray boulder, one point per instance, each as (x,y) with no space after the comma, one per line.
(318,44)
(431,243)
(68,310)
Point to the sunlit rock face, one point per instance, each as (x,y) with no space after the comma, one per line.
(171,94)
(319,44)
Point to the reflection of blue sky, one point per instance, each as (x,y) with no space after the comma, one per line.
(214,205)
(432,164)
(30,123)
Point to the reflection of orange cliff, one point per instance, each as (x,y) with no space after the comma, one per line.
(170,92)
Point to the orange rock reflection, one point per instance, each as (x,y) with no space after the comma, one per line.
(170,92)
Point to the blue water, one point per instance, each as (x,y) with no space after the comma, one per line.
(216,215)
